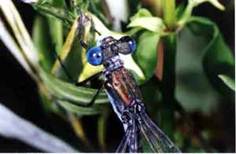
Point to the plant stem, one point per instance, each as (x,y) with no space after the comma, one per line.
(168,83)
(168,7)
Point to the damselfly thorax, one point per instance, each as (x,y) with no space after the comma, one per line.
(122,83)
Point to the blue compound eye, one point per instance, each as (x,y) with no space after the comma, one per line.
(132,45)
(94,56)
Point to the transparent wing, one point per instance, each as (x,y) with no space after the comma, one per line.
(134,143)
(156,139)
(124,142)
(130,141)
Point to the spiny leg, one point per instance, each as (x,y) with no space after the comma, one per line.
(95,96)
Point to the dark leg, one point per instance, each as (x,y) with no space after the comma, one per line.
(92,101)
(88,79)
(95,96)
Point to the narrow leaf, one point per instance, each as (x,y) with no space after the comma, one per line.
(215,3)
(13,126)
(14,48)
(20,32)
(43,42)
(80,111)
(228,81)
(67,46)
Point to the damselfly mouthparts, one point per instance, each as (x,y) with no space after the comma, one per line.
(126,98)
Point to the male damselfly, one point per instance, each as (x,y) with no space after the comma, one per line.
(124,94)
(126,98)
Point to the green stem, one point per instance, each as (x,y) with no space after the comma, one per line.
(169,13)
(168,84)
(186,15)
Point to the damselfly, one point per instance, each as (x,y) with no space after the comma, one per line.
(126,98)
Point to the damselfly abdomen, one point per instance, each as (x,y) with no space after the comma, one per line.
(126,98)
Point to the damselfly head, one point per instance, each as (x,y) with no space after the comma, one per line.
(108,48)
(107,42)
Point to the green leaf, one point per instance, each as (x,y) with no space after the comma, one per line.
(153,24)
(141,13)
(201,55)
(218,58)
(191,5)
(69,50)
(146,54)
(228,81)
(56,27)
(179,10)
(215,3)
(78,110)
(43,42)
(56,32)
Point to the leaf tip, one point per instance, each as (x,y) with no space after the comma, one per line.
(228,81)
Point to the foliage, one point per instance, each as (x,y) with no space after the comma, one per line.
(197,61)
